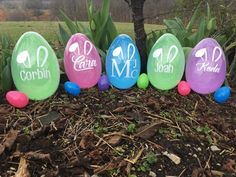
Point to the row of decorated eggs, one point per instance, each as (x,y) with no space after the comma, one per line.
(35,69)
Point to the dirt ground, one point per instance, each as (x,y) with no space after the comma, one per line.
(119,133)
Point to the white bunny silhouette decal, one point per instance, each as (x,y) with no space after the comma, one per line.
(80,60)
(40,72)
(204,65)
(118,52)
(24,57)
(165,66)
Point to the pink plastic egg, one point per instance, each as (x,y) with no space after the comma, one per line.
(17,99)
(184,88)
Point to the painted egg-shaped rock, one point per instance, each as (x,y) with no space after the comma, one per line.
(17,99)
(206,67)
(82,61)
(34,66)
(222,94)
(72,88)
(166,62)
(123,62)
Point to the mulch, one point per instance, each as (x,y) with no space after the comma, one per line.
(119,133)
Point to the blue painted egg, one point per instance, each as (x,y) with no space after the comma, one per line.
(123,62)
(72,88)
(222,94)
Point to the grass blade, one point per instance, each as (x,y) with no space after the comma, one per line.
(64,36)
(69,23)
(193,19)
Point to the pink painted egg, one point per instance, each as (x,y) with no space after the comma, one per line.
(17,99)
(82,61)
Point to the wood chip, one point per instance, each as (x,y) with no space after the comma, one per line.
(176,159)
(217,173)
(135,159)
(22,169)
(214,148)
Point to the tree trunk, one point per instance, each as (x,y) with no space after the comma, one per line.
(140,34)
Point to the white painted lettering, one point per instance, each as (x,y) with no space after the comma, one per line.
(39,74)
(206,68)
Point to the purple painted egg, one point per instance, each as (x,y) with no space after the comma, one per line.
(206,67)
(17,99)
(103,83)
(82,61)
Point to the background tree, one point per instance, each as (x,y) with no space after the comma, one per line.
(35,6)
(140,35)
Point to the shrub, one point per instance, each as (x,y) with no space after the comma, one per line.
(6,82)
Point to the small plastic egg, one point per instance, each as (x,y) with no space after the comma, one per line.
(184,88)
(72,88)
(222,94)
(103,83)
(143,81)
(17,99)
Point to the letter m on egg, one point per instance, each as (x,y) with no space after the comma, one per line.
(119,72)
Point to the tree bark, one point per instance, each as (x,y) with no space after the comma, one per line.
(140,34)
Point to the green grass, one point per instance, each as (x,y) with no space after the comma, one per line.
(50,29)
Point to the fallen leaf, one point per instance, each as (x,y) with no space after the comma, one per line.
(2,148)
(82,143)
(22,169)
(50,117)
(10,138)
(87,140)
(114,140)
(5,109)
(135,115)
(176,159)
(197,172)
(121,109)
(81,162)
(148,131)
(230,165)
(38,156)
(152,102)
